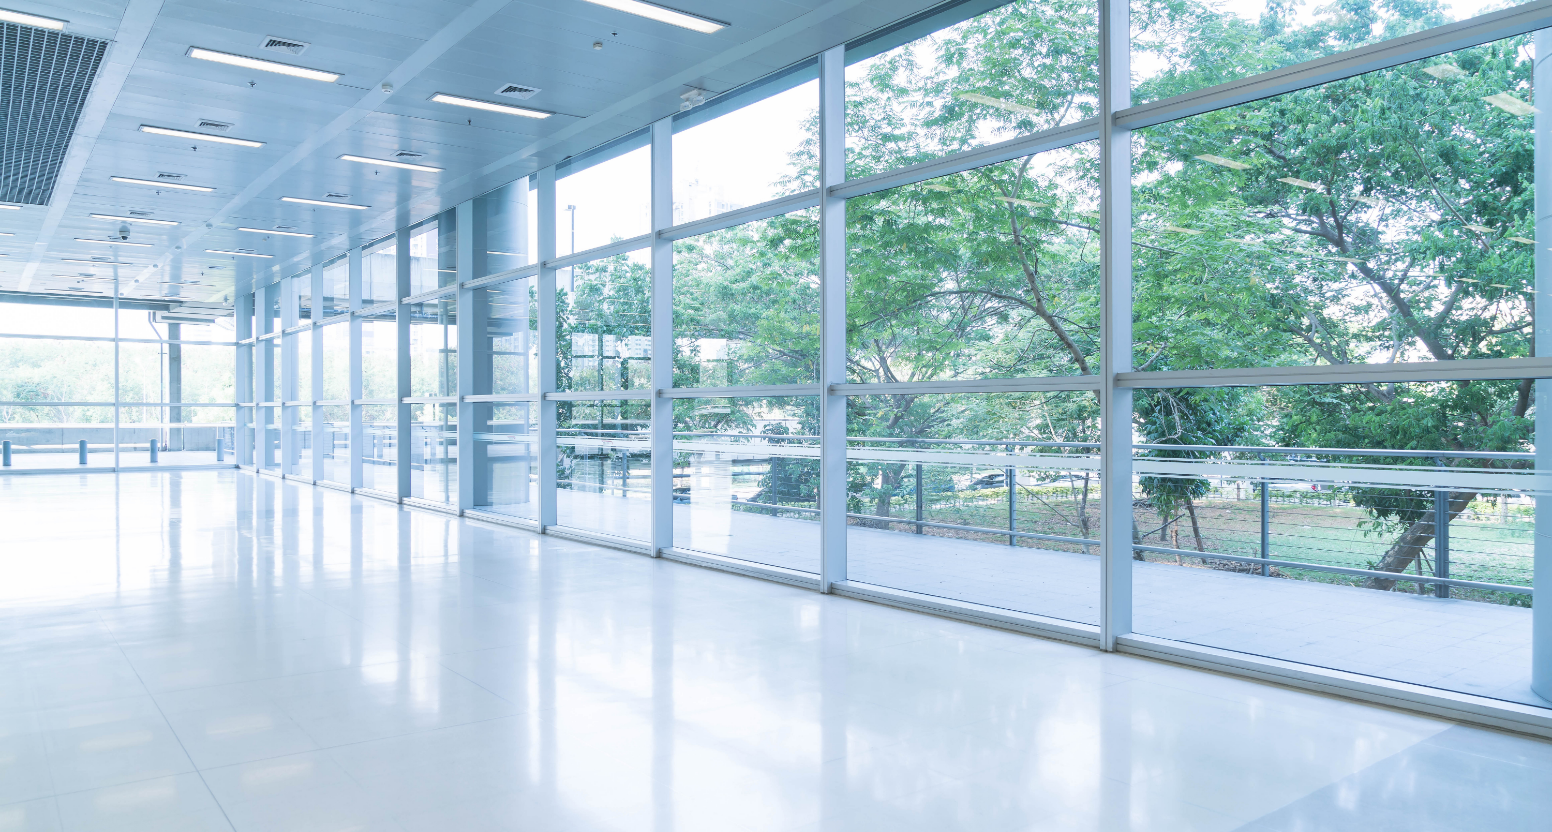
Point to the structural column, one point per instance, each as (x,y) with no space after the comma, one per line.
(403,428)
(315,372)
(473,351)
(1541,624)
(662,427)
(1115,454)
(243,416)
(832,318)
(357,431)
(545,246)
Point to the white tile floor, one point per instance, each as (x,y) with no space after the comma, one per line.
(208,650)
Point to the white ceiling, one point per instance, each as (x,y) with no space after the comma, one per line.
(464,48)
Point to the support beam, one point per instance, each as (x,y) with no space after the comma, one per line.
(832,318)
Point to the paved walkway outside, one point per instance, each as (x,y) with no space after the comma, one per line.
(1458,645)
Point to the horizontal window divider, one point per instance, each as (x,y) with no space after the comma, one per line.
(298,404)
(1015,148)
(332,402)
(435,294)
(375,401)
(245,404)
(989,385)
(1485,369)
(430,400)
(600,252)
(1266,449)
(508,438)
(502,397)
(269,336)
(298,328)
(269,404)
(501,277)
(586,536)
(1385,55)
(247,342)
(598,395)
(501,519)
(1339,570)
(748,568)
(751,213)
(53,404)
(178,404)
(751,391)
(335,319)
(377,309)
(977,529)
(110,339)
(430,505)
(376,495)
(334,486)
(1027,623)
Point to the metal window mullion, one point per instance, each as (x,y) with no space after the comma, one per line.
(315,355)
(357,431)
(662,418)
(1115,464)
(1541,614)
(545,246)
(471,322)
(116,395)
(288,367)
(243,378)
(403,432)
(832,318)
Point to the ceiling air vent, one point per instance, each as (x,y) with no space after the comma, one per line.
(336,195)
(172,176)
(516,91)
(290,46)
(45,77)
(218,126)
(140,213)
(408,154)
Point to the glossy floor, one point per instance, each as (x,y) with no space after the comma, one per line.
(211,650)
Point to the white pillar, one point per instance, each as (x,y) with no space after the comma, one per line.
(357,432)
(243,416)
(1541,621)
(471,328)
(662,432)
(403,429)
(832,318)
(315,391)
(545,246)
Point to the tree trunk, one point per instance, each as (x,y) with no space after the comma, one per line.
(1408,548)
(1196,528)
(1083,509)
(1136,532)
(889,485)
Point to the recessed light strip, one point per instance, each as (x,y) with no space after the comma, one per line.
(11,207)
(95,262)
(263,65)
(32,20)
(239,253)
(663,14)
(304,201)
(273,231)
(153,183)
(367,160)
(203,137)
(142,220)
(475,103)
(112,242)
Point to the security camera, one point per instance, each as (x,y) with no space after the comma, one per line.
(124,231)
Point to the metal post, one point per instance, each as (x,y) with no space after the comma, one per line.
(660,435)
(5,453)
(357,428)
(404,427)
(832,318)
(1441,537)
(548,354)
(1266,528)
(1010,475)
(116,413)
(220,446)
(154,458)
(918,498)
(81,451)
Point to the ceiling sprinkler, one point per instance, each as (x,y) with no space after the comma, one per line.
(691,98)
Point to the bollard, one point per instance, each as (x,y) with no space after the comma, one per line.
(220,446)
(153,452)
(5,453)
(81,452)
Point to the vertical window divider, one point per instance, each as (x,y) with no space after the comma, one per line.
(315,355)
(1115,202)
(662,418)
(116,398)
(470,259)
(545,246)
(357,429)
(243,378)
(403,430)
(1541,614)
(832,318)
(288,391)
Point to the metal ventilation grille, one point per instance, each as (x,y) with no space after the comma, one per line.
(45,77)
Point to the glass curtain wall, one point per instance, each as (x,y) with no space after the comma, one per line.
(901,322)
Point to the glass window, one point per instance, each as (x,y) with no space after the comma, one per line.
(1258,537)
(267,434)
(509,362)
(746,479)
(379,273)
(380,448)
(380,357)
(336,288)
(604,466)
(505,214)
(304,296)
(433,254)
(336,362)
(333,430)
(746,304)
(50,437)
(505,459)
(200,373)
(37,369)
(604,324)
(604,195)
(303,343)
(434,347)
(299,459)
(985,498)
(746,147)
(991,273)
(1408,237)
(1017,69)
(183,435)
(434,452)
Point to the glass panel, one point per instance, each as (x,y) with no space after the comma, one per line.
(333,430)
(267,454)
(604,466)
(303,343)
(1324,546)
(379,273)
(299,457)
(1410,239)
(183,435)
(434,347)
(266,381)
(433,250)
(336,362)
(1177,48)
(35,369)
(336,288)
(748,155)
(504,214)
(434,453)
(598,202)
(379,357)
(604,324)
(49,437)
(48,319)
(509,359)
(1007,486)
(746,304)
(993,273)
(201,373)
(506,475)
(1018,69)
(304,296)
(379,450)
(746,479)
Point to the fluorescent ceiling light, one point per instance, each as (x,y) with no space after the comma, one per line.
(1178,230)
(153,183)
(367,160)
(997,102)
(32,20)
(460,101)
(1509,104)
(11,207)
(6,234)
(1445,72)
(273,231)
(1301,183)
(265,66)
(1219,160)
(323,202)
(143,220)
(239,253)
(663,14)
(112,242)
(203,137)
